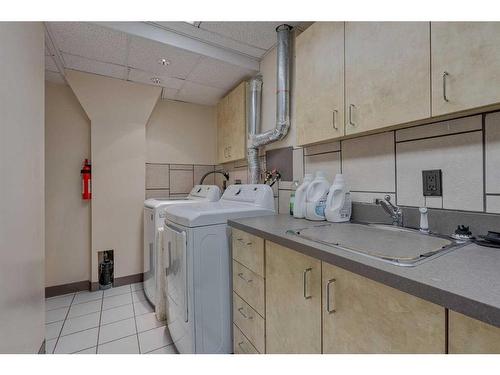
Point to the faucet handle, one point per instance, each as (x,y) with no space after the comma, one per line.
(387,198)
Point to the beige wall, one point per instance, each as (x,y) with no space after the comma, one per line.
(67,216)
(181,133)
(118,111)
(22,312)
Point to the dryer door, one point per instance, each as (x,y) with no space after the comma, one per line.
(176,241)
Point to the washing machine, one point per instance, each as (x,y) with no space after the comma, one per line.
(154,217)
(198,267)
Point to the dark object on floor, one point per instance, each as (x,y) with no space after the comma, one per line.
(492,239)
(106,273)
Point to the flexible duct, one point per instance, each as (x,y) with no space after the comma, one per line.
(255,139)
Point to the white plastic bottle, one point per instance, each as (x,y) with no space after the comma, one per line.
(316,197)
(299,206)
(338,204)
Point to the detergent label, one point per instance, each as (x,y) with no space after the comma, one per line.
(320,207)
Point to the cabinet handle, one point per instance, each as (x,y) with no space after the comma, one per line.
(445,75)
(243,242)
(351,107)
(244,315)
(334,116)
(240,344)
(240,275)
(329,310)
(304,283)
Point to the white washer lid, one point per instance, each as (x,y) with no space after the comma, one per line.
(211,213)
(199,193)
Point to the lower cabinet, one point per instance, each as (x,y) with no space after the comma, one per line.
(363,316)
(470,336)
(293,301)
(241,345)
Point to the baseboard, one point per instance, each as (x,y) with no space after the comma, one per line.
(119,281)
(57,290)
(42,348)
(79,286)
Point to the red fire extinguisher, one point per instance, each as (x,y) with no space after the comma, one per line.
(86,180)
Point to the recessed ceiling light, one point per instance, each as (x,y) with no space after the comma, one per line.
(164,62)
(156,80)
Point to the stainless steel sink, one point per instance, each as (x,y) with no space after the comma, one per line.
(393,244)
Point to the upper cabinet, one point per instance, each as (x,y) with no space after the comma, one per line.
(231,125)
(387,74)
(319,83)
(465,65)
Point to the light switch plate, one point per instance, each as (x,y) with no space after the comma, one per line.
(432,183)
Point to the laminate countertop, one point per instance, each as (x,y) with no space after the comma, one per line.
(465,280)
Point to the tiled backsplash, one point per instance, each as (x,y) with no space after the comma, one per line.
(174,180)
(467,150)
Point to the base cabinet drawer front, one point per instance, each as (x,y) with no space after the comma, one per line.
(293,301)
(241,345)
(465,65)
(470,336)
(249,286)
(363,316)
(249,322)
(249,251)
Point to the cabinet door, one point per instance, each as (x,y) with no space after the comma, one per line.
(471,336)
(221,130)
(319,82)
(363,316)
(387,74)
(469,52)
(293,301)
(237,125)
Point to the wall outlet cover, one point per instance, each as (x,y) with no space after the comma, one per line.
(432,183)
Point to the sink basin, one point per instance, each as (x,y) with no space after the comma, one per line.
(396,245)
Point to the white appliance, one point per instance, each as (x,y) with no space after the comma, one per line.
(154,219)
(198,266)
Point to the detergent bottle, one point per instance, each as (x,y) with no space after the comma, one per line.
(299,207)
(316,194)
(338,204)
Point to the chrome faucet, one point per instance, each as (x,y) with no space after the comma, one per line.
(394,211)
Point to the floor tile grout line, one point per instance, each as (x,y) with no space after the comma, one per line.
(99,327)
(62,327)
(135,322)
(171,344)
(110,341)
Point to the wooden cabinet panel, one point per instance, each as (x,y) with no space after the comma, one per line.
(470,336)
(241,345)
(249,286)
(236,140)
(249,251)
(387,74)
(293,301)
(319,82)
(370,317)
(470,53)
(249,322)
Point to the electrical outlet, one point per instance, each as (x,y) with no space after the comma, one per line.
(432,183)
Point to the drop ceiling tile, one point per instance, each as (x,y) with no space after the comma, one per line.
(258,34)
(93,66)
(141,76)
(54,77)
(144,55)
(195,93)
(89,40)
(219,74)
(169,93)
(188,29)
(50,65)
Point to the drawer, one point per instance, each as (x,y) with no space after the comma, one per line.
(241,345)
(249,286)
(249,251)
(249,322)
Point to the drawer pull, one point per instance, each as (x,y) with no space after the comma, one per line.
(243,242)
(445,97)
(334,122)
(304,283)
(240,275)
(244,315)
(240,344)
(351,107)
(329,309)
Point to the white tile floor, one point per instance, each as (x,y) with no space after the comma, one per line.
(117,321)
